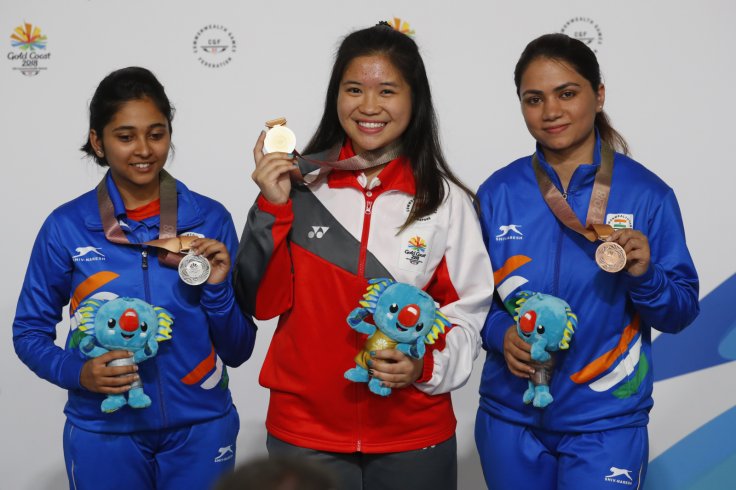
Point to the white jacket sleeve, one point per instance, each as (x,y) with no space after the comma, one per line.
(463,286)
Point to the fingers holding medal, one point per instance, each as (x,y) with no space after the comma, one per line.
(635,246)
(207,260)
(274,159)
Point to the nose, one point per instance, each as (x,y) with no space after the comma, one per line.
(143,147)
(129,320)
(551,109)
(409,315)
(527,321)
(369,104)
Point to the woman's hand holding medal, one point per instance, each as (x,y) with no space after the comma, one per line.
(636,246)
(216,254)
(274,162)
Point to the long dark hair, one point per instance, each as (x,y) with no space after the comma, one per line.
(581,59)
(117,88)
(420,141)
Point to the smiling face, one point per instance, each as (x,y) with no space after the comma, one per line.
(404,313)
(559,107)
(135,144)
(125,323)
(374,103)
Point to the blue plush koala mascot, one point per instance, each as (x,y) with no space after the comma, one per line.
(123,324)
(548,324)
(405,318)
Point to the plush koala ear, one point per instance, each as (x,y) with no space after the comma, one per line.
(514,301)
(570,326)
(86,314)
(375,289)
(165,320)
(440,324)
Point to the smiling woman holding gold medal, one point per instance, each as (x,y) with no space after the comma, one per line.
(381,203)
(583,222)
(140,234)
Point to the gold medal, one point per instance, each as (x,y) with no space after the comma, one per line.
(279,138)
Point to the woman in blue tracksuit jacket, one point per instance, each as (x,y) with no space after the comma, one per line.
(594,433)
(186,437)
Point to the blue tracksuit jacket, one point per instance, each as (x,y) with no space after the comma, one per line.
(604,380)
(72,261)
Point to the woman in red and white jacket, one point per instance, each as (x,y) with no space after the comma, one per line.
(308,252)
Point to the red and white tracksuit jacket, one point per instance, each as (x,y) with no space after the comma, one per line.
(309,261)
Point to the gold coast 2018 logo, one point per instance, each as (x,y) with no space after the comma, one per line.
(214,46)
(29,53)
(585,30)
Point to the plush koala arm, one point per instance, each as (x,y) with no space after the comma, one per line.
(355,320)
(89,349)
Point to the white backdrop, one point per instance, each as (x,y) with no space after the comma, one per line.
(668,68)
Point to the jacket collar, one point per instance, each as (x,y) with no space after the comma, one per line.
(188,212)
(585,172)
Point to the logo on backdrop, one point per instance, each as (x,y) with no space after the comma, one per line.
(585,30)
(29,53)
(214,46)
(402,26)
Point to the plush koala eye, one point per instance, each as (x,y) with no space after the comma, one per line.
(144,326)
(419,327)
(393,308)
(540,329)
(111,323)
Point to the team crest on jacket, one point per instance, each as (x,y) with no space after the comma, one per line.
(414,253)
(619,221)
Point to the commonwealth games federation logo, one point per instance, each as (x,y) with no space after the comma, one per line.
(29,53)
(214,46)
(584,29)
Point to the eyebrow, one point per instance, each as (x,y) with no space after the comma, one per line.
(556,89)
(131,128)
(355,82)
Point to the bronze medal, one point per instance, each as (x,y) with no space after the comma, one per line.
(610,256)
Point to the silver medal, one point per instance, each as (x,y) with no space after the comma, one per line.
(194,269)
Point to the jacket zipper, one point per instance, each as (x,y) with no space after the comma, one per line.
(147,289)
(370,198)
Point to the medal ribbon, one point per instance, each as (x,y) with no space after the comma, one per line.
(168,244)
(593,229)
(363,161)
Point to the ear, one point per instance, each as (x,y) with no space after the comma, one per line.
(96,142)
(600,96)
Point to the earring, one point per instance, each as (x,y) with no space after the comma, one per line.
(100,154)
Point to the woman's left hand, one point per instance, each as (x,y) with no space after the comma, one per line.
(394,368)
(217,255)
(636,246)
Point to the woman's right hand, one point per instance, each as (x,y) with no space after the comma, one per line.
(517,354)
(98,377)
(272,172)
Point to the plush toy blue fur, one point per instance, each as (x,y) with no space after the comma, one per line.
(123,324)
(547,323)
(405,318)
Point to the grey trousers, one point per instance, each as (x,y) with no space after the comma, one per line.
(430,468)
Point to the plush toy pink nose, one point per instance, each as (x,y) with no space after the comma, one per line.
(527,321)
(409,315)
(129,320)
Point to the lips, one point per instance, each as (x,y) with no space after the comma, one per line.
(400,328)
(127,336)
(370,127)
(556,129)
